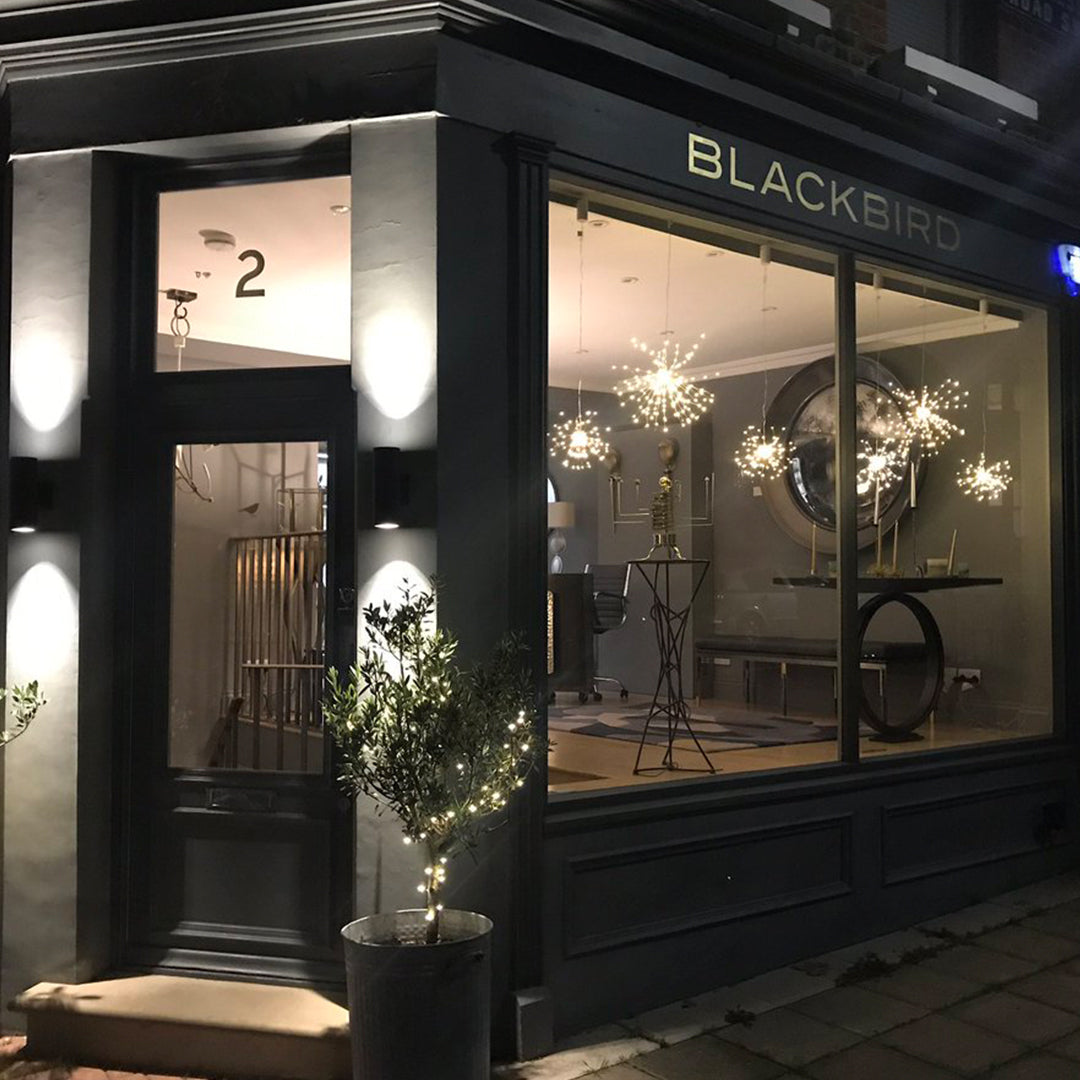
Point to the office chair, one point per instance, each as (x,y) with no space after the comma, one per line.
(611,584)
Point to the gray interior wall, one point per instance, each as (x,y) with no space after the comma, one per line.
(628,653)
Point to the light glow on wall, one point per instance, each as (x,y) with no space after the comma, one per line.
(43,625)
(46,380)
(397,362)
(386,583)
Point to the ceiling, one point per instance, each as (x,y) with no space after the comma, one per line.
(306,307)
(715,291)
(619,273)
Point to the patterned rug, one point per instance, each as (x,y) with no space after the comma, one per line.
(724,727)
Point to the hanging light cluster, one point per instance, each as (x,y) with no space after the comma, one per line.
(984,479)
(880,464)
(925,415)
(762,454)
(578,439)
(662,395)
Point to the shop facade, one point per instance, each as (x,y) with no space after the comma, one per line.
(426,160)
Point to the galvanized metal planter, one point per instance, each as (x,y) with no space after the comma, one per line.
(419,1010)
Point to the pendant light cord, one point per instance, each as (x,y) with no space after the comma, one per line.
(667,286)
(765,254)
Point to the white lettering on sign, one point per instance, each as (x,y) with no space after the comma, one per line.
(862,206)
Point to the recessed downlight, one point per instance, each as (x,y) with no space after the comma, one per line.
(340,208)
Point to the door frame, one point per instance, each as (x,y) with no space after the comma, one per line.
(275,404)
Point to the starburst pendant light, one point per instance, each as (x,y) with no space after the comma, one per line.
(881,459)
(661,395)
(577,439)
(925,414)
(763,453)
(925,409)
(982,479)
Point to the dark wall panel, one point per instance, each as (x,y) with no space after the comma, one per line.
(648,892)
(940,836)
(663,899)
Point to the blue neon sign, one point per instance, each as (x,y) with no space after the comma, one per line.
(1068,266)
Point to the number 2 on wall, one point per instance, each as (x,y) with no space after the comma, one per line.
(260,264)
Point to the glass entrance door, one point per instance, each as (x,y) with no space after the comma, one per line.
(244,595)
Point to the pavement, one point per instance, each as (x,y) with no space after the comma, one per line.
(991,992)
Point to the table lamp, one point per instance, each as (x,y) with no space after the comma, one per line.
(560,516)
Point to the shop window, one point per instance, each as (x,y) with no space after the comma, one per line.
(254,276)
(975,546)
(737,478)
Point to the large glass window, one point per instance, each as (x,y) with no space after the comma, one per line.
(693,493)
(692,421)
(958,462)
(254,276)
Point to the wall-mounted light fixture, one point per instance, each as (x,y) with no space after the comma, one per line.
(27,494)
(1067,264)
(389,487)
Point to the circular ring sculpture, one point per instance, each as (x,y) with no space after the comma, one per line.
(935,669)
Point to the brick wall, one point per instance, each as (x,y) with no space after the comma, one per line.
(859,30)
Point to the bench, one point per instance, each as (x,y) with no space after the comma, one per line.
(804,652)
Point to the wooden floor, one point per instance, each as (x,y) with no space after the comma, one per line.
(593,763)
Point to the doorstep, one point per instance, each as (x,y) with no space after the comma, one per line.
(182,1025)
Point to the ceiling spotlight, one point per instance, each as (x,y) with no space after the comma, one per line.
(629,280)
(340,208)
(217,239)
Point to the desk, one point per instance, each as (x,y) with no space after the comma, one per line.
(899,590)
(670,624)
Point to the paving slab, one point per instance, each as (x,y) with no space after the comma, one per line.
(588,1052)
(979,965)
(872,1059)
(1050,892)
(1031,944)
(1068,1047)
(789,1037)
(1061,921)
(707,1056)
(618,1072)
(859,1010)
(975,919)
(1057,987)
(1019,1018)
(921,986)
(952,1044)
(1036,1067)
(682,1020)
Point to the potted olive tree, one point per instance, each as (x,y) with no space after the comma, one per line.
(443,748)
(26,701)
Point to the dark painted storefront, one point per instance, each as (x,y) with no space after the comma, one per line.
(451,120)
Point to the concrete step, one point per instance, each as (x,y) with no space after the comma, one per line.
(206,1027)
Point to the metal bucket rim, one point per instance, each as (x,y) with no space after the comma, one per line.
(486,926)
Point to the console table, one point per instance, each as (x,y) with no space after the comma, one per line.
(900,590)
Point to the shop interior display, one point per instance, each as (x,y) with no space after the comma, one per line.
(738,664)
